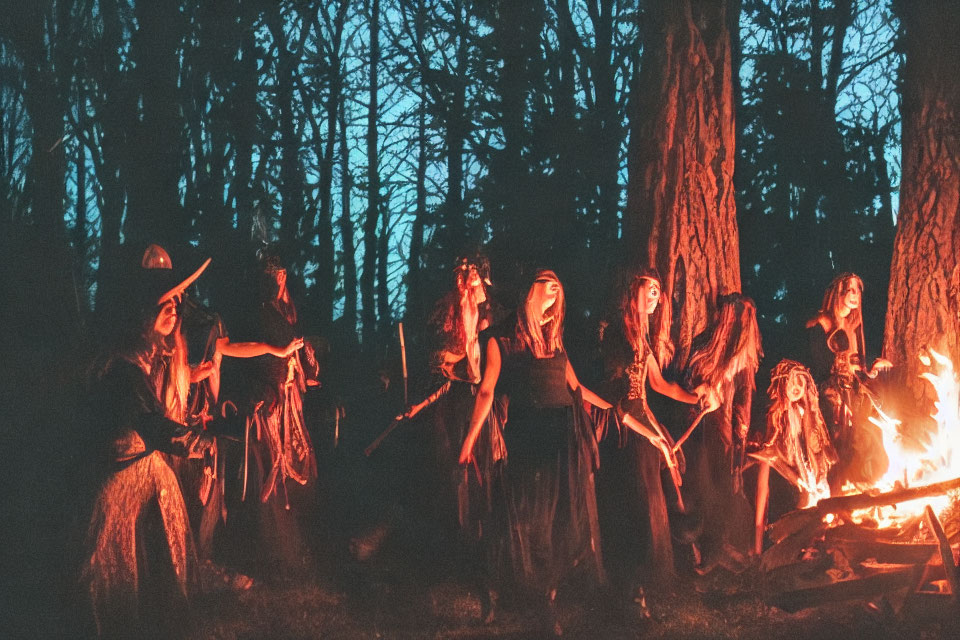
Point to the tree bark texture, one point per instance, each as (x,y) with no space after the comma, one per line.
(681,215)
(928,228)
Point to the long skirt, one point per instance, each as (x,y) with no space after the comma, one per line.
(139,561)
(546,516)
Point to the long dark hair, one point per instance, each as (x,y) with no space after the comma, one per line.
(639,326)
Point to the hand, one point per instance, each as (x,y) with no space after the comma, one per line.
(670,458)
(202,371)
(200,444)
(295,345)
(880,364)
(707,398)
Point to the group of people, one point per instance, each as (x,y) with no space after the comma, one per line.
(158,443)
(542,475)
(552,475)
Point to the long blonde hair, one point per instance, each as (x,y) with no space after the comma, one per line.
(734,343)
(542,331)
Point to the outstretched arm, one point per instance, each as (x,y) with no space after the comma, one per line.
(588,395)
(663,387)
(413,410)
(483,401)
(254,349)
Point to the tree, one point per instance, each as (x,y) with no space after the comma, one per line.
(681,215)
(927,242)
(368,277)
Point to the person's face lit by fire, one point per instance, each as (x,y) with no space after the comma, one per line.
(469,279)
(167,317)
(280,277)
(851,295)
(545,293)
(648,296)
(796,387)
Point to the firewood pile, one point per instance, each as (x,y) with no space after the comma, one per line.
(820,556)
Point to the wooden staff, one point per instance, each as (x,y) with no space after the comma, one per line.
(686,434)
(403,361)
(376,443)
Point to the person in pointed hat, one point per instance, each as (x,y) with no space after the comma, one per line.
(138,560)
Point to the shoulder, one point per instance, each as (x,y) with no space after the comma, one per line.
(820,323)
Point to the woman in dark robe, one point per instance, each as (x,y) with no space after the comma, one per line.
(139,563)
(546,513)
(279,470)
(725,358)
(458,320)
(837,362)
(633,506)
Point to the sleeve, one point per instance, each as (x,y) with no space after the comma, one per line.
(819,358)
(137,408)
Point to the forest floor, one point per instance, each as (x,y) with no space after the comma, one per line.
(393,596)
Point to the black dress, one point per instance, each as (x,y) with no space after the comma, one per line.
(275,501)
(837,368)
(633,508)
(546,516)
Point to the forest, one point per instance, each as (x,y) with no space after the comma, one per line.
(377,141)
(753,146)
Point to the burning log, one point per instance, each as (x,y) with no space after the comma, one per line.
(801,519)
(946,555)
(868,500)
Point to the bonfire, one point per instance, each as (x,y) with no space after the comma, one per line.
(887,540)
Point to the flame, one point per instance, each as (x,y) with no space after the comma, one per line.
(921,462)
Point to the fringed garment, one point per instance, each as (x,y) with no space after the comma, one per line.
(799,449)
(278,470)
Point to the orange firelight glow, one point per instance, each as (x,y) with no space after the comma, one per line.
(917,463)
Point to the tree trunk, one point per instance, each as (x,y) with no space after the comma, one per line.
(928,229)
(681,216)
(154,212)
(326,271)
(415,297)
(383,287)
(244,119)
(291,173)
(368,277)
(348,258)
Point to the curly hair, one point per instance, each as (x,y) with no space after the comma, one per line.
(780,403)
